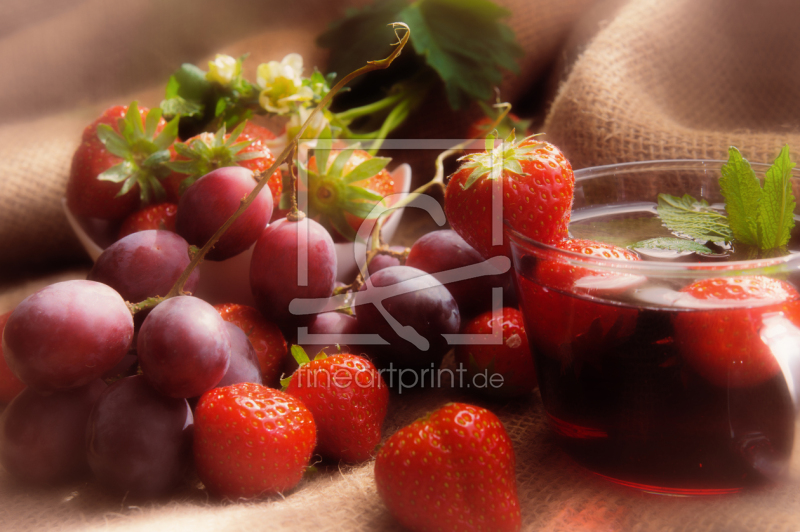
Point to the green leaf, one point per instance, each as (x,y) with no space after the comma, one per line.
(129,183)
(742,193)
(222,103)
(776,209)
(323,149)
(113,141)
(335,171)
(172,88)
(693,218)
(192,83)
(178,106)
(362,209)
(367,169)
(672,244)
(118,173)
(168,135)
(464,42)
(151,122)
(361,193)
(134,119)
(299,354)
(157,158)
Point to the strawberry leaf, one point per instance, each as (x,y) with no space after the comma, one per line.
(693,218)
(672,244)
(742,193)
(323,148)
(366,169)
(118,173)
(113,141)
(776,208)
(335,171)
(168,135)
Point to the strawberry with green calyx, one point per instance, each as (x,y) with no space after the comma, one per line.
(209,151)
(728,346)
(120,162)
(345,187)
(536,183)
(348,399)
(452,470)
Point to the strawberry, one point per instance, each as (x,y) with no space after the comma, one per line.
(511,360)
(10,385)
(161,216)
(343,196)
(266,337)
(251,440)
(208,151)
(726,346)
(348,399)
(120,162)
(451,470)
(572,328)
(536,183)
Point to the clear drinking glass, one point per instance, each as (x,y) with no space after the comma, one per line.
(632,371)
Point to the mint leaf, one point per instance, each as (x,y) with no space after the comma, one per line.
(693,218)
(672,244)
(742,192)
(776,209)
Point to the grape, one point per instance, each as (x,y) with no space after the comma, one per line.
(138,440)
(67,335)
(427,307)
(440,251)
(10,385)
(328,323)
(382,261)
(144,264)
(274,270)
(183,347)
(43,437)
(211,200)
(244,366)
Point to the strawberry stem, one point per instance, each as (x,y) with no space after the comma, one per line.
(381,64)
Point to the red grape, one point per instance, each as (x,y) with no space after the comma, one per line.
(274,270)
(43,436)
(10,385)
(244,366)
(211,200)
(183,347)
(137,440)
(144,264)
(67,335)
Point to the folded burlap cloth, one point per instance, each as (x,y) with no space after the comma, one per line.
(659,80)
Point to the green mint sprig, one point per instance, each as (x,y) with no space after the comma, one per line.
(759,217)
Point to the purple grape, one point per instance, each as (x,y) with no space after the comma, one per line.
(440,251)
(42,437)
(67,335)
(420,304)
(244,365)
(137,440)
(183,346)
(144,264)
(211,200)
(380,262)
(274,270)
(331,324)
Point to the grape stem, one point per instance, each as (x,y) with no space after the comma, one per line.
(381,64)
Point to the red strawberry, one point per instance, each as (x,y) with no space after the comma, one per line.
(161,216)
(10,385)
(208,151)
(120,162)
(266,337)
(348,399)
(536,184)
(342,197)
(498,370)
(569,327)
(251,440)
(451,470)
(726,345)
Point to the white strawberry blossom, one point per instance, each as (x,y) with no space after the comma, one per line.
(281,84)
(223,69)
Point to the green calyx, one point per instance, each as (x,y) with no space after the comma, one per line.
(301,357)
(143,150)
(505,157)
(332,193)
(204,155)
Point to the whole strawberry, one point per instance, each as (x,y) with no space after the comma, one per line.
(503,369)
(348,399)
(251,440)
(266,337)
(451,470)
(120,162)
(726,346)
(208,151)
(532,179)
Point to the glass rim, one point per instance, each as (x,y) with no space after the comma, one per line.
(657,268)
